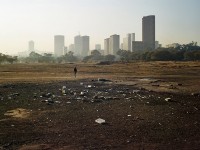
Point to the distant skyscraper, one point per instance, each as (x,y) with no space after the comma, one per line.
(31,46)
(85,47)
(148,32)
(132,40)
(127,41)
(107,46)
(98,46)
(81,45)
(137,46)
(59,43)
(114,44)
(77,45)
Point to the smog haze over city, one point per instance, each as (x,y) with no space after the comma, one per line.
(39,20)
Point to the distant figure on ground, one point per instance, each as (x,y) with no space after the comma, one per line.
(75,71)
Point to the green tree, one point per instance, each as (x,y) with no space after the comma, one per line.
(161,55)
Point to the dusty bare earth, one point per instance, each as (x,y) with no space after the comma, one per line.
(141,109)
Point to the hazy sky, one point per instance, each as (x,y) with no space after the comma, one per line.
(39,20)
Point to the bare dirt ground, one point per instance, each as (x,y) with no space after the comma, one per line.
(151,105)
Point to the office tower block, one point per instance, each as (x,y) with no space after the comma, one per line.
(137,46)
(77,45)
(85,45)
(148,32)
(59,43)
(132,40)
(127,41)
(31,46)
(107,46)
(114,44)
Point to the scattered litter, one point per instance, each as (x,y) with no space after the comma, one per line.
(69,102)
(100,121)
(129,115)
(89,86)
(83,94)
(81,83)
(168,99)
(48,95)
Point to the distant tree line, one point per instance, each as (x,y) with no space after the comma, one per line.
(185,52)
(7,59)
(49,58)
(97,57)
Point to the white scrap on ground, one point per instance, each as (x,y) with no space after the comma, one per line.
(100,121)
(168,99)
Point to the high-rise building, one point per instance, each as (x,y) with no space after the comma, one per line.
(114,44)
(81,45)
(137,46)
(107,46)
(59,43)
(31,46)
(85,45)
(77,45)
(98,46)
(132,40)
(127,41)
(148,32)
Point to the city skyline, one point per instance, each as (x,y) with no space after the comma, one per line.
(22,21)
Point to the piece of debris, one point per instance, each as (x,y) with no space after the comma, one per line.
(48,95)
(89,86)
(168,99)
(64,90)
(83,94)
(100,121)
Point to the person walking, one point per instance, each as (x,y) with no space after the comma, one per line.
(75,71)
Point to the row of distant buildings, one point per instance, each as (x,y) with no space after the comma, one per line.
(112,44)
(81,45)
